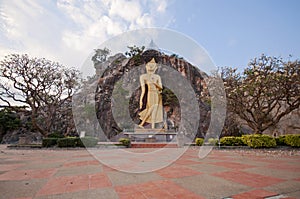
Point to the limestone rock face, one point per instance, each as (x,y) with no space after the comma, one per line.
(101,66)
(119,66)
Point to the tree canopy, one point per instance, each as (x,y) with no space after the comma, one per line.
(100,55)
(266,91)
(134,51)
(43,85)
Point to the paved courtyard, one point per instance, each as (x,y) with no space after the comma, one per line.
(238,174)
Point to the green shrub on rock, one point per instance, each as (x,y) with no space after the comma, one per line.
(199,141)
(125,142)
(260,141)
(49,142)
(232,141)
(293,140)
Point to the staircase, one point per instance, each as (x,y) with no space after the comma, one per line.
(153,145)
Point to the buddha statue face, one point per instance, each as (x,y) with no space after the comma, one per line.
(151,66)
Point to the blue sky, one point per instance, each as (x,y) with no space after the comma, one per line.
(235,31)
(232,31)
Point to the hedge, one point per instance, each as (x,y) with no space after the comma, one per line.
(87,141)
(293,140)
(55,135)
(49,142)
(199,141)
(232,141)
(259,141)
(125,142)
(213,141)
(68,142)
(280,141)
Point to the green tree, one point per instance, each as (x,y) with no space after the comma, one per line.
(8,121)
(266,91)
(100,55)
(134,51)
(42,85)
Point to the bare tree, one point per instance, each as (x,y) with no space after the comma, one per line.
(266,91)
(41,84)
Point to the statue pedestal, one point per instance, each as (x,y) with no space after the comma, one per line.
(151,135)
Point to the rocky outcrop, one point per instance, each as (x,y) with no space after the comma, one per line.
(110,62)
(121,65)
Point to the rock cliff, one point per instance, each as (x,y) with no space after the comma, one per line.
(121,66)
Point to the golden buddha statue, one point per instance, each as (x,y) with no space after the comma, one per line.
(153,113)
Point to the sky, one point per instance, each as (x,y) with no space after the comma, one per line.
(232,31)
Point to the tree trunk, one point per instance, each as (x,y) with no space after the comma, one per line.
(257,131)
(35,125)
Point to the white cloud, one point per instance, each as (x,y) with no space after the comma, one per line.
(29,28)
(162,5)
(127,10)
(142,22)
(68,30)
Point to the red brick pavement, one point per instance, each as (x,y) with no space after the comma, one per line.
(255,194)
(54,174)
(249,179)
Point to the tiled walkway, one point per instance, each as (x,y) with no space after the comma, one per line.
(76,174)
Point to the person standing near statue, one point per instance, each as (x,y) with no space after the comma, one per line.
(153,113)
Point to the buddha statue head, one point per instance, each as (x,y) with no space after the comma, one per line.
(151,66)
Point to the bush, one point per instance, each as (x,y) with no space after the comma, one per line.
(87,142)
(68,142)
(199,141)
(125,141)
(55,135)
(293,140)
(49,142)
(260,141)
(280,141)
(232,141)
(213,141)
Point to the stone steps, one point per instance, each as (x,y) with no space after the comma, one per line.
(153,145)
